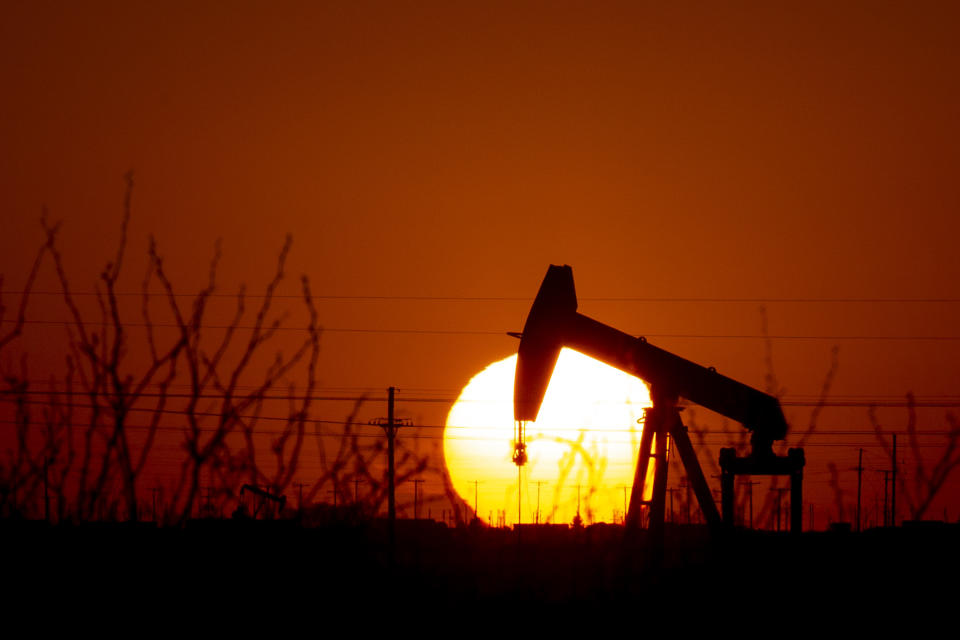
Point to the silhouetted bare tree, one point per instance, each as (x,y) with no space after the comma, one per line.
(21,469)
(921,484)
(218,369)
(109,383)
(76,439)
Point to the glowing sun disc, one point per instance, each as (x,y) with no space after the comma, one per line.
(585,441)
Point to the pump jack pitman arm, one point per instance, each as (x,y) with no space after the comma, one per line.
(553,323)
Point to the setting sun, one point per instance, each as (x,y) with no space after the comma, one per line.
(584,441)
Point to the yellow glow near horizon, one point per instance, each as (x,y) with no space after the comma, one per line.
(587,434)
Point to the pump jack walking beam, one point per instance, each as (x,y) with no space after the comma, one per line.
(553,323)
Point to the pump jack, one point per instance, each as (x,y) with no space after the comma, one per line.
(553,323)
(264,495)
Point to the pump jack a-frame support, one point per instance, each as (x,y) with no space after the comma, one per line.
(662,421)
(553,323)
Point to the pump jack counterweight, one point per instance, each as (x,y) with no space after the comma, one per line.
(553,323)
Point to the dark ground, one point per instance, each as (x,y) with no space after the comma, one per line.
(279,568)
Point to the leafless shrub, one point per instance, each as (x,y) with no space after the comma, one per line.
(76,446)
(921,484)
(21,473)
(78,442)
(111,387)
(219,370)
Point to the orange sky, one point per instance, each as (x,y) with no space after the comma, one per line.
(423,149)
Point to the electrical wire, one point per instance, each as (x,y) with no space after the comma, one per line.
(428,298)
(878,402)
(490,332)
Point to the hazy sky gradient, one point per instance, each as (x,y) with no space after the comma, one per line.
(720,150)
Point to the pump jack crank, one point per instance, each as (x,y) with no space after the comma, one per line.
(554,323)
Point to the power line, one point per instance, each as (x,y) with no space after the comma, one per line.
(872,403)
(290,418)
(170,325)
(822,431)
(428,298)
(952,403)
(491,332)
(433,394)
(715,440)
(221,396)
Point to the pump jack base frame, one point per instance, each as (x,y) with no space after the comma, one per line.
(791,465)
(662,420)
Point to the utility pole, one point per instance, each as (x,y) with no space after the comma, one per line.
(893,486)
(46,497)
(672,491)
(356,491)
(540,482)
(391,469)
(780,491)
(859,485)
(886,496)
(416,511)
(476,503)
(749,486)
(154,491)
(207,509)
(390,426)
(578,520)
(519,499)
(625,505)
